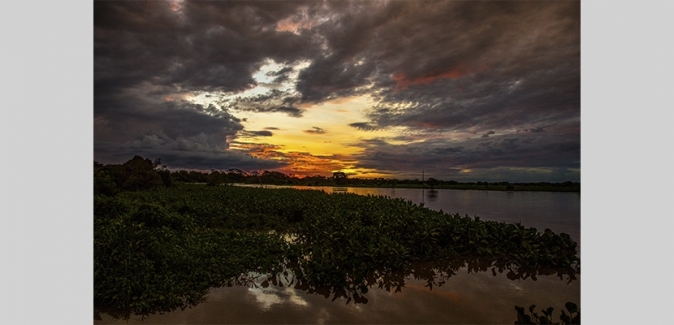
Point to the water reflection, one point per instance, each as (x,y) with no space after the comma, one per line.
(432,195)
(434,274)
(266,297)
(445,291)
(427,283)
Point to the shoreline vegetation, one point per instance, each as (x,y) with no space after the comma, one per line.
(482,186)
(161,244)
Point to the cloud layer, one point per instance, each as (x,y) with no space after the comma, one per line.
(471,87)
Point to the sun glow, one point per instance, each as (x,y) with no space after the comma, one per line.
(321,142)
(318,140)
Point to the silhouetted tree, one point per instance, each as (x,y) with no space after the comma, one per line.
(236,175)
(339,178)
(139,174)
(216,178)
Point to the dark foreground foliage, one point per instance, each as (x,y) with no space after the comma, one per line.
(163,248)
(546,315)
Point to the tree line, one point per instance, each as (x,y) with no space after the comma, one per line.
(142,173)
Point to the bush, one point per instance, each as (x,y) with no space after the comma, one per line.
(104,185)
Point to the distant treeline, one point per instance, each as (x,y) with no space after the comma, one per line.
(141,173)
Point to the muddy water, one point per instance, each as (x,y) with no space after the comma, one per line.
(467,297)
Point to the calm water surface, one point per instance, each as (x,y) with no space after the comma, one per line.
(464,298)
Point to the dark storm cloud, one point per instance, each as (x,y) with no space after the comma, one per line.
(201,46)
(363,126)
(488,133)
(456,65)
(262,133)
(283,71)
(351,58)
(178,159)
(149,55)
(370,143)
(289,110)
(485,106)
(519,151)
(535,130)
(445,150)
(182,134)
(478,67)
(519,66)
(508,70)
(326,79)
(281,75)
(274,101)
(130,118)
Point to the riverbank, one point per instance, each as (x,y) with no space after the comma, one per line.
(573,188)
(478,187)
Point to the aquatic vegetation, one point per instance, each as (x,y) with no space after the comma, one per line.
(148,258)
(163,248)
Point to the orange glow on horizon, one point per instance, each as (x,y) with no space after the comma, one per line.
(320,143)
(303,164)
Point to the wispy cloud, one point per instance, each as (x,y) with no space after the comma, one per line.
(315,130)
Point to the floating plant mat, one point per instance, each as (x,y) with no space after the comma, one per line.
(164,249)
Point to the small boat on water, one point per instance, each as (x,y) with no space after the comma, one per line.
(339,189)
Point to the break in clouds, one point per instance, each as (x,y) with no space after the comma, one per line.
(478,90)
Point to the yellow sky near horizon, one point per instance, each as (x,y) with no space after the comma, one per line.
(323,132)
(319,142)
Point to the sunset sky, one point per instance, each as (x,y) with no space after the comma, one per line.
(463,90)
